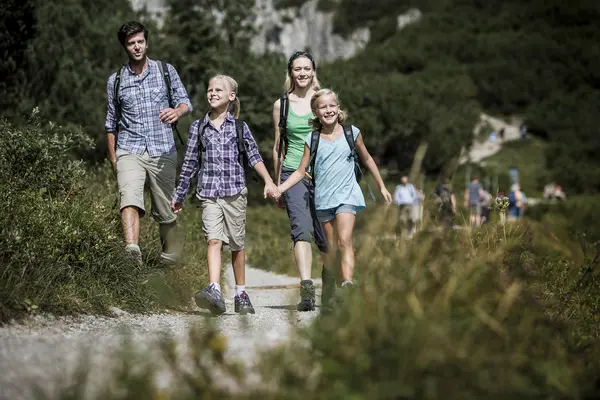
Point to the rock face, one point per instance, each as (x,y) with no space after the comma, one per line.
(291,29)
(304,28)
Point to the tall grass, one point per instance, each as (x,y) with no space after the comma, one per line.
(456,315)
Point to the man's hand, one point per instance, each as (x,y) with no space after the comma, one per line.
(113,162)
(170,115)
(176,207)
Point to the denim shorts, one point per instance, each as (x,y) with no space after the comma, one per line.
(330,213)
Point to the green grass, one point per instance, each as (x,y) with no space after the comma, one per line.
(465,315)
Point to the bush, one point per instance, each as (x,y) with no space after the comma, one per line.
(61,249)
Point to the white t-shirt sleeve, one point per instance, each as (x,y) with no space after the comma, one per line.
(355,132)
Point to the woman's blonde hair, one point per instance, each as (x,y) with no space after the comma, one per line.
(289,85)
(316,122)
(234,106)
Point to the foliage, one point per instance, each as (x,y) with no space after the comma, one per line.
(61,239)
(461,316)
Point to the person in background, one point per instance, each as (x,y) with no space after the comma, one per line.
(473,194)
(407,199)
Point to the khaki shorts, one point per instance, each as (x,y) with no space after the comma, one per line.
(131,178)
(225,219)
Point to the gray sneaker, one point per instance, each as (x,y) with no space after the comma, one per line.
(168,259)
(211,299)
(307,296)
(134,252)
(243,305)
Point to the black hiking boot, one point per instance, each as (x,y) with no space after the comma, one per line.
(307,296)
(243,305)
(328,281)
(211,299)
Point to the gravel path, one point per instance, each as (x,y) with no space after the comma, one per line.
(45,349)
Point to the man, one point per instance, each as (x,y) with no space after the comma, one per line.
(405,197)
(140,140)
(473,194)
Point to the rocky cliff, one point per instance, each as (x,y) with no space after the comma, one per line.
(286,30)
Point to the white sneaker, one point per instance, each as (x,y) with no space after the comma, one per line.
(133,250)
(168,258)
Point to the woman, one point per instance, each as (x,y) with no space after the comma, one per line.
(291,115)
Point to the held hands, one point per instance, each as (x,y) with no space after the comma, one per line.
(170,115)
(272,191)
(176,207)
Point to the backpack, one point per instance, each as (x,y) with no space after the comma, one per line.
(512,199)
(445,196)
(314,146)
(284,105)
(164,70)
(243,158)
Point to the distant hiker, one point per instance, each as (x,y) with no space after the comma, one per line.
(220,150)
(329,159)
(446,202)
(486,200)
(515,203)
(291,115)
(523,131)
(472,201)
(407,199)
(501,134)
(141,111)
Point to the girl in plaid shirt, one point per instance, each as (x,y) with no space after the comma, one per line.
(221,188)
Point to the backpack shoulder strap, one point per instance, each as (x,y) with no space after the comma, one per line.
(314,146)
(349,135)
(116,88)
(242,150)
(284,107)
(164,71)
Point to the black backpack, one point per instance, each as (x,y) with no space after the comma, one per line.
(164,70)
(314,146)
(243,158)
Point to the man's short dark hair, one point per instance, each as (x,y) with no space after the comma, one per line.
(131,28)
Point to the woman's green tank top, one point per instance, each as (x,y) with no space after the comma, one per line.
(297,130)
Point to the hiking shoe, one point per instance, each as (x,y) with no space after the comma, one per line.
(211,299)
(328,281)
(307,296)
(134,252)
(168,259)
(243,305)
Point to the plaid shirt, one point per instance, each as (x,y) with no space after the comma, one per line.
(221,173)
(140,127)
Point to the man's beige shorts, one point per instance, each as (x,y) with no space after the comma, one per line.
(131,178)
(225,219)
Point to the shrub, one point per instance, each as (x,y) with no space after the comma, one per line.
(61,249)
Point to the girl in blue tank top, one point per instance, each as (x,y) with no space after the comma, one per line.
(337,194)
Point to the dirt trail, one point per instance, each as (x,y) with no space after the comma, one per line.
(482,149)
(45,347)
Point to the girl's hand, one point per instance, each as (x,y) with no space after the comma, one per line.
(176,207)
(386,195)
